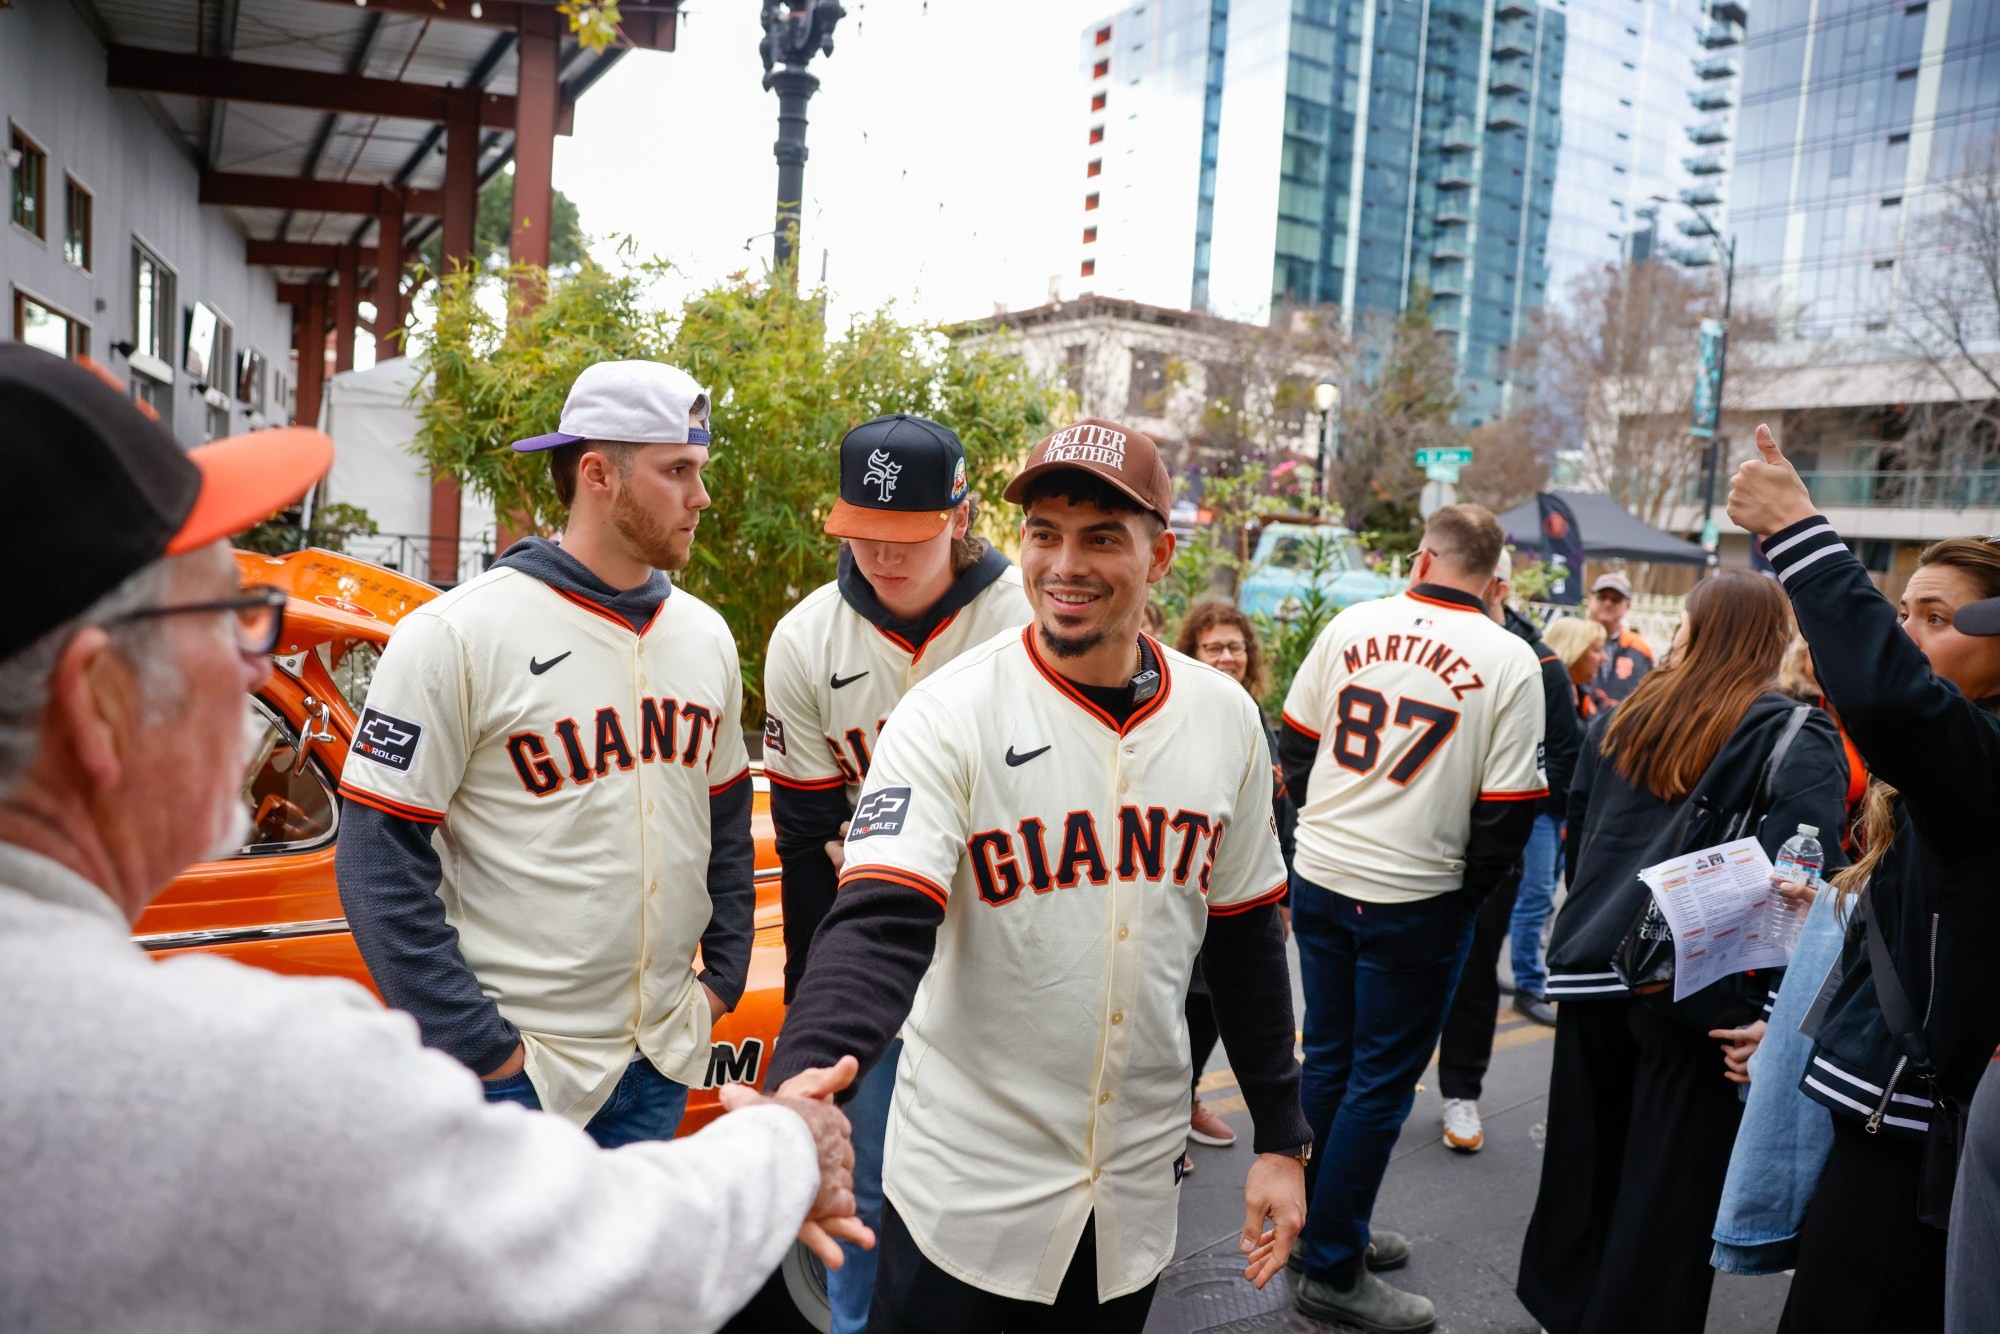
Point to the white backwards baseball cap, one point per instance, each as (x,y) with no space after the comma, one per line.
(632,402)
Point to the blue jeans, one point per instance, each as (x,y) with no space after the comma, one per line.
(646,1105)
(1531,906)
(1378,979)
(851,1287)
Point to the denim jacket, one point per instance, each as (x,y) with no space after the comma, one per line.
(1782,1142)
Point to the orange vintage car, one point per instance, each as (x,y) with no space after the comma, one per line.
(274,904)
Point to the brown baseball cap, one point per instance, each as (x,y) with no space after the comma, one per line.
(1126,458)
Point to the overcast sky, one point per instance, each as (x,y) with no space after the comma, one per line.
(946,169)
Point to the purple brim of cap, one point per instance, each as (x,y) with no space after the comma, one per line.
(1978,618)
(553,440)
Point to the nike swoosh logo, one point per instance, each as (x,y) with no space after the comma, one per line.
(1016,760)
(539,667)
(838,680)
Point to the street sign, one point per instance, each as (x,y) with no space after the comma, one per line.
(1710,535)
(1458,457)
(1442,472)
(1708,379)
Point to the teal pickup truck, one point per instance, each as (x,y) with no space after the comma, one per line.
(1281,568)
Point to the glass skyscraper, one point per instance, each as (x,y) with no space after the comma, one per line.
(1851,114)
(1470,154)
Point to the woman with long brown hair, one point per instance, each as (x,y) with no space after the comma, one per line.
(1642,1110)
(1920,703)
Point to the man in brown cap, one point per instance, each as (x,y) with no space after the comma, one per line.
(1054,825)
(196,1144)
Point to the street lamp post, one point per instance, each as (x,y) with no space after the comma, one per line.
(1726,251)
(792,34)
(1326,397)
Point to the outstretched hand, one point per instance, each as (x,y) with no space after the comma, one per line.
(810,1094)
(1766,494)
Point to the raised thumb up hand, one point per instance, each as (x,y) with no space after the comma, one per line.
(1766,494)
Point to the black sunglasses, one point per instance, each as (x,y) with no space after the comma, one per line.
(259,613)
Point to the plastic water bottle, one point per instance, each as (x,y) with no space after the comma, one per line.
(1799,862)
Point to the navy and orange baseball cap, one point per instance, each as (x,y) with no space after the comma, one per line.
(901,478)
(109,491)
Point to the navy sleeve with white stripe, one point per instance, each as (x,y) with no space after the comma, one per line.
(1913,728)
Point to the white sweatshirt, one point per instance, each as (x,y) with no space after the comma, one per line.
(198,1145)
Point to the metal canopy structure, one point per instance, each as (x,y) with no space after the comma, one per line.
(341,134)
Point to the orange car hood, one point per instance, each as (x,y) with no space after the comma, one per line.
(334,596)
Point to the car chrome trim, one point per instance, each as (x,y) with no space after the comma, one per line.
(240,935)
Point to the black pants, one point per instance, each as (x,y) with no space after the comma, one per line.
(1467,1047)
(914,1296)
(1201,1027)
(1640,1126)
(1867,1265)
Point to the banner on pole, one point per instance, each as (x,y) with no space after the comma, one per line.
(1562,549)
(1708,379)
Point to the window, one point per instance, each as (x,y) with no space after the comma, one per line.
(1089,268)
(153,306)
(1103,36)
(1096,168)
(1089,203)
(43,326)
(1089,235)
(30,174)
(1146,396)
(250,378)
(155,395)
(209,358)
(1097,134)
(1100,69)
(1073,367)
(76,224)
(1097,102)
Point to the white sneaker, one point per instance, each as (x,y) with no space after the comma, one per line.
(1462,1131)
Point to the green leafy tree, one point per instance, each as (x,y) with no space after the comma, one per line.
(493,229)
(1289,635)
(333,527)
(784,392)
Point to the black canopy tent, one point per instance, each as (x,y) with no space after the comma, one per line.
(1607,530)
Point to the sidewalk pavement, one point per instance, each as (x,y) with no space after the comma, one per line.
(1464,1215)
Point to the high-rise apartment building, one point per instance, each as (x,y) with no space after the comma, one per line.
(1851,116)
(1248,153)
(1242,154)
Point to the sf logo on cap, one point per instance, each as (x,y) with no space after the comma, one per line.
(882,473)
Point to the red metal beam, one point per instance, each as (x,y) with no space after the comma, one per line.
(282,86)
(539,83)
(309,341)
(302,255)
(646,24)
(388,328)
(346,308)
(461,184)
(240,190)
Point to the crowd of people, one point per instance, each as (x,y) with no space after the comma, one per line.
(1035,864)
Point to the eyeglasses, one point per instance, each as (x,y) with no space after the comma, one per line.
(259,613)
(1235,648)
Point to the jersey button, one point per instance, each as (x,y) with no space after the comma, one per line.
(1124,931)
(1118,1016)
(1103,1098)
(1097,1175)
(649,808)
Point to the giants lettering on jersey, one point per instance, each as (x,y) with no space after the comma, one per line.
(1419,651)
(659,741)
(853,758)
(1145,848)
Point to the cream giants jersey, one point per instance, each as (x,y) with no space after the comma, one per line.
(1045,1069)
(568,764)
(1422,705)
(832,677)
